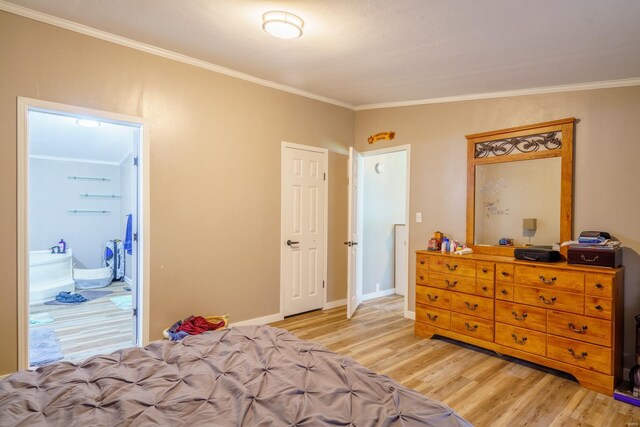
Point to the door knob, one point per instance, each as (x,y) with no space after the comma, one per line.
(290,243)
(354,243)
(348,243)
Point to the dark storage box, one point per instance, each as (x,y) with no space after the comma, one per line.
(537,254)
(597,256)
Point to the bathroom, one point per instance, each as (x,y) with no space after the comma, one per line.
(81,208)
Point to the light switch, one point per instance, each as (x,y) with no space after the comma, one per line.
(418,216)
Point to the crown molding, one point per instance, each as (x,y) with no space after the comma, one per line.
(506,93)
(123,41)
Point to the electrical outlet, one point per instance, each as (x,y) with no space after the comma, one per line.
(418,216)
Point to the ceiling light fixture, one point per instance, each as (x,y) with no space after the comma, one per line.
(88,123)
(283,25)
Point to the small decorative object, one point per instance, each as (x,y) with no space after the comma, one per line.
(382,135)
(505,241)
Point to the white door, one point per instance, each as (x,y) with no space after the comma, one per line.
(303,222)
(354,263)
(401,260)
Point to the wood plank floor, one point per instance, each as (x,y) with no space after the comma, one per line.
(485,389)
(93,327)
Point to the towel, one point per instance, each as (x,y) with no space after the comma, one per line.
(128,242)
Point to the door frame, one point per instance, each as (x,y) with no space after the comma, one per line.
(407,147)
(144,217)
(285,145)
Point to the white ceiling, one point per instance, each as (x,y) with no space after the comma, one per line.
(59,136)
(361,52)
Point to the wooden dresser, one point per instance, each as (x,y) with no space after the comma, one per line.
(566,317)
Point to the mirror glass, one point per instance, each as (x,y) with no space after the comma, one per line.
(518,200)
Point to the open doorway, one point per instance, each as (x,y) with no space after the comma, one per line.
(381,269)
(80,274)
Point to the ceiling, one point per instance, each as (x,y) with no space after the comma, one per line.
(60,137)
(361,52)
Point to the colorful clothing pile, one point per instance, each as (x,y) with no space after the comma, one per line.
(192,325)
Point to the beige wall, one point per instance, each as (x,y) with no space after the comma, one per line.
(607,165)
(215,169)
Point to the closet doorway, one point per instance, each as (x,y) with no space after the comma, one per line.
(82,200)
(384,215)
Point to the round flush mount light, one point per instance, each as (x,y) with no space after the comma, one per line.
(88,123)
(283,25)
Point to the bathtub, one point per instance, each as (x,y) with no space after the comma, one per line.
(49,274)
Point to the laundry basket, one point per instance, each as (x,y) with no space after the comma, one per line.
(210,319)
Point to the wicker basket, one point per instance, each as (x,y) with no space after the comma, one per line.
(210,319)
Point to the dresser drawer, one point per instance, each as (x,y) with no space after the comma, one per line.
(600,285)
(433,316)
(578,353)
(433,296)
(504,272)
(552,299)
(523,316)
(422,277)
(504,291)
(472,326)
(597,307)
(453,265)
(484,270)
(484,288)
(452,282)
(472,305)
(422,261)
(521,339)
(580,328)
(550,278)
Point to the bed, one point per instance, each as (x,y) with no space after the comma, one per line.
(251,376)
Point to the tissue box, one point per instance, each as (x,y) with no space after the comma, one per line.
(599,256)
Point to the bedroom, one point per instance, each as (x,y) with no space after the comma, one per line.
(205,126)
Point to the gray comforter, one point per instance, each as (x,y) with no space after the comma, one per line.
(250,376)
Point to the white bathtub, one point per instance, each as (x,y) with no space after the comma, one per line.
(49,274)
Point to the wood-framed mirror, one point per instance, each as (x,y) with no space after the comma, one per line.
(520,187)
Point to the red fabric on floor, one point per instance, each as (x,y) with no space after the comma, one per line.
(195,325)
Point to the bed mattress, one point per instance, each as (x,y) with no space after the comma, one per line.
(243,376)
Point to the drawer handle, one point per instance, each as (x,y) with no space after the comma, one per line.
(582,330)
(599,285)
(435,298)
(422,261)
(598,307)
(432,317)
(515,316)
(547,281)
(504,273)
(521,341)
(451,284)
(550,301)
(484,270)
(470,328)
(484,288)
(471,307)
(421,277)
(454,268)
(580,356)
(504,292)
(585,259)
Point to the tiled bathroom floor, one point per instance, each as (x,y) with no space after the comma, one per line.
(93,327)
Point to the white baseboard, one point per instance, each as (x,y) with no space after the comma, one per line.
(259,320)
(383,293)
(334,304)
(128,281)
(4,376)
(410,314)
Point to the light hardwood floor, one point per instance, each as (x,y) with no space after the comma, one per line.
(485,389)
(93,327)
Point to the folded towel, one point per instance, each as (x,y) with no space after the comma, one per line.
(69,298)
